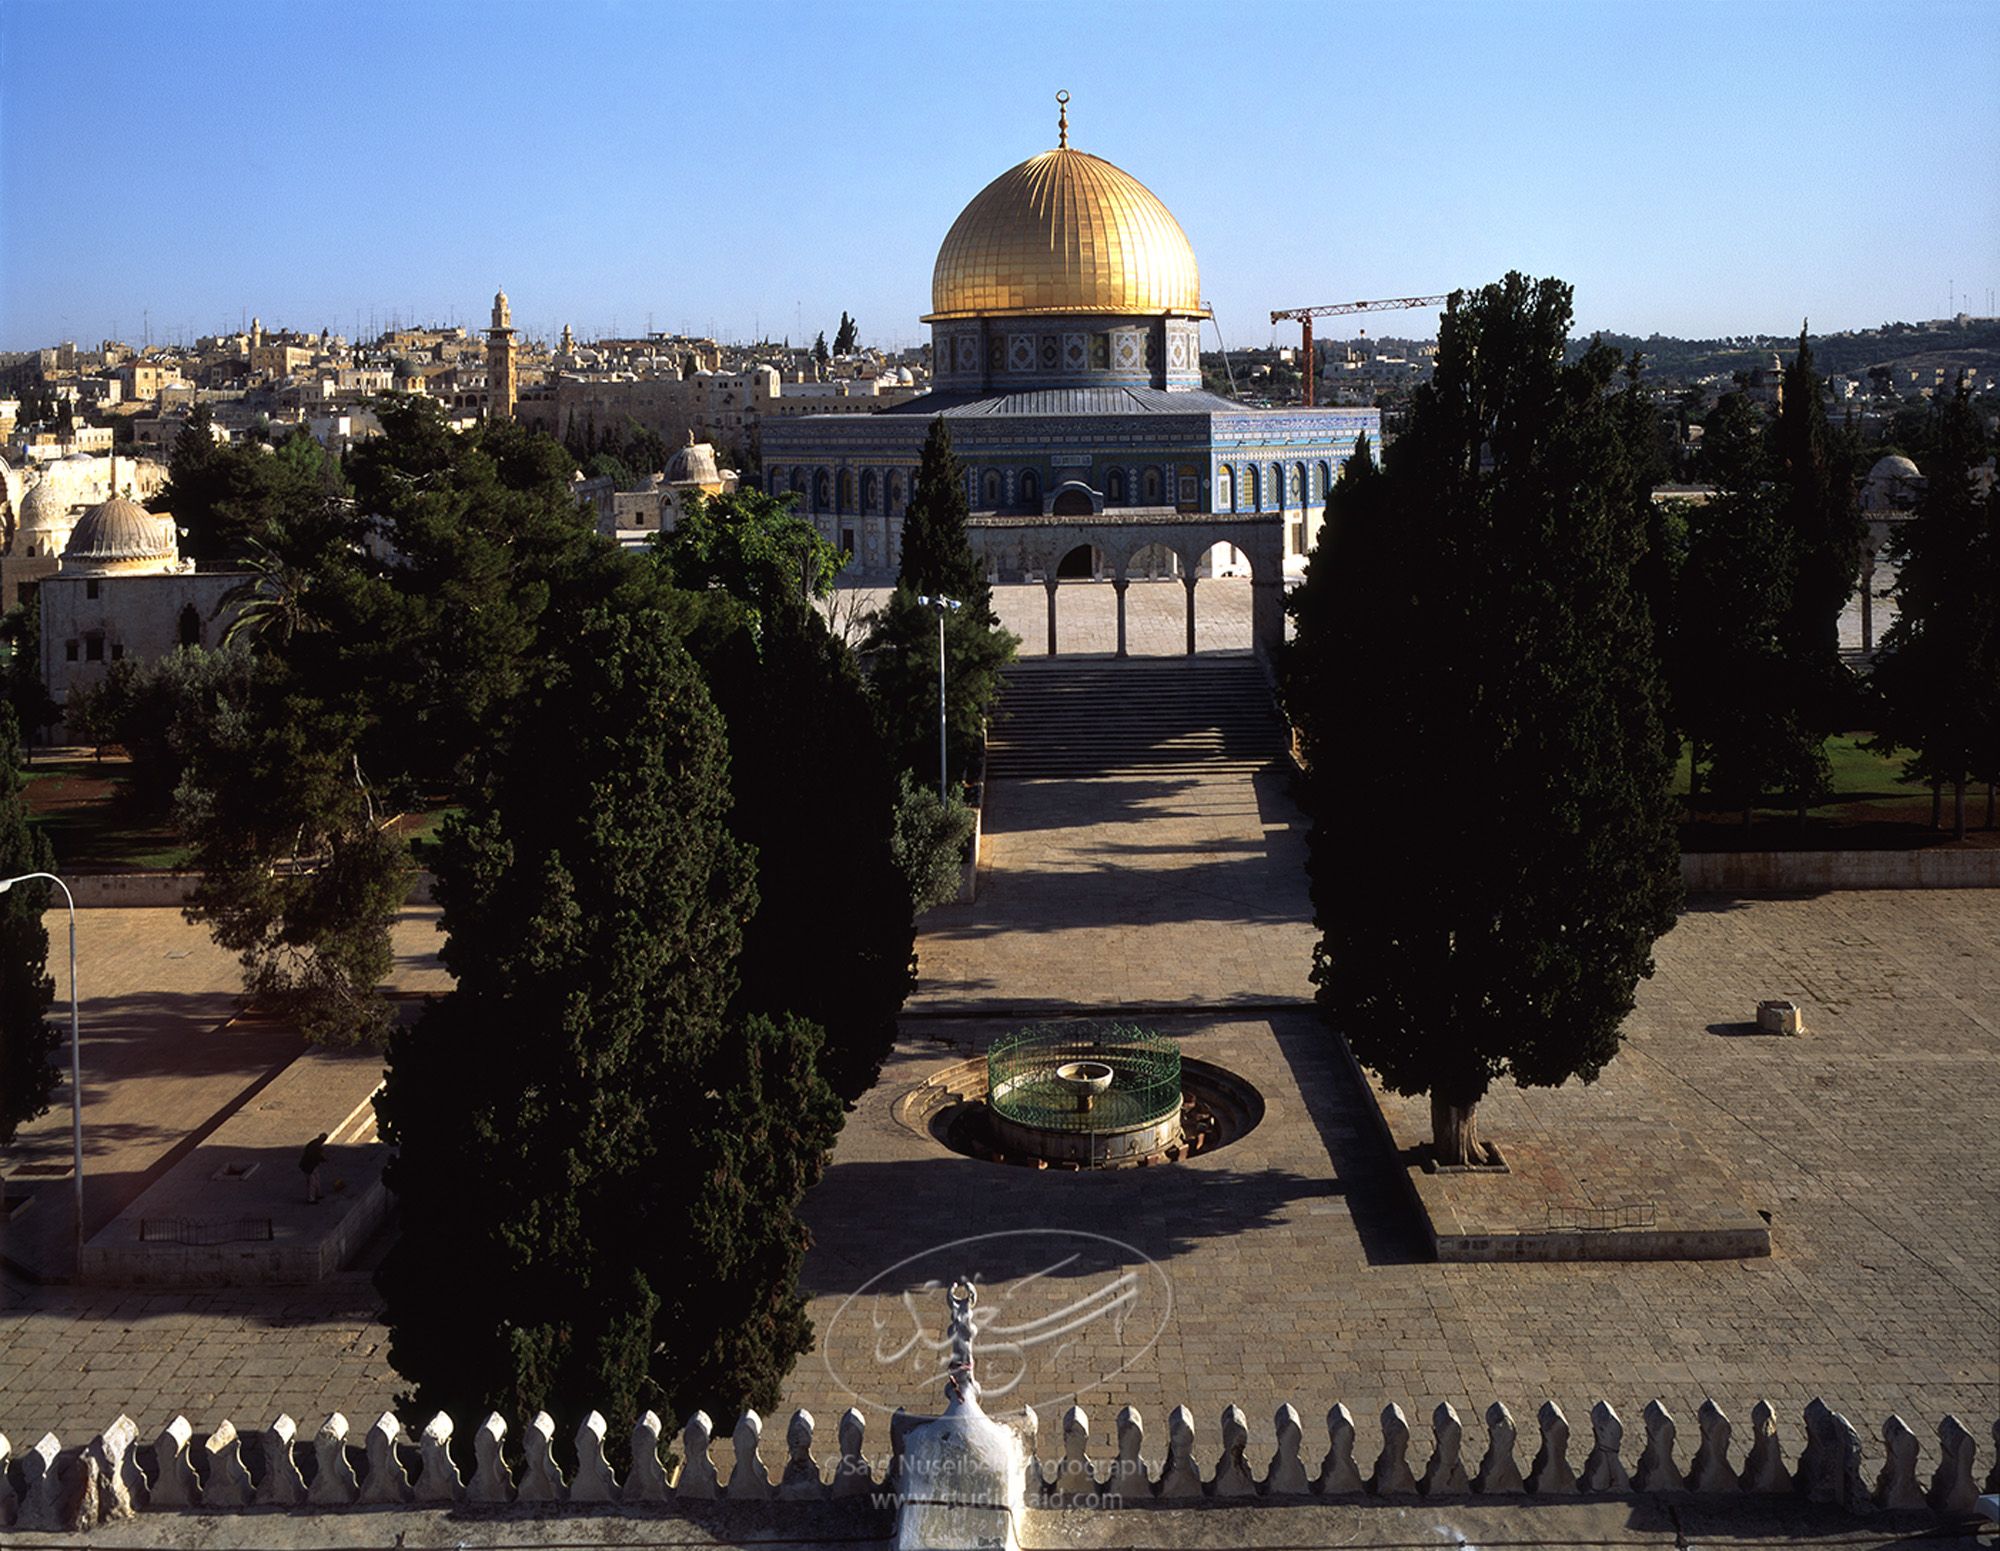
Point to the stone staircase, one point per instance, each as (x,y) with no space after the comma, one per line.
(1083,717)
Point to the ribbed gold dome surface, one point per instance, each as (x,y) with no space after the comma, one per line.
(1065,232)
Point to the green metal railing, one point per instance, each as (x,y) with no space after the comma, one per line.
(1021,1081)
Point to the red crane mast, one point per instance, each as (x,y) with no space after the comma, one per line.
(1305,315)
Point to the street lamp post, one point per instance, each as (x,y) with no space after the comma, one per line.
(943,607)
(75,1055)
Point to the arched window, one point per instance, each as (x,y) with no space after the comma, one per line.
(892,491)
(1277,486)
(868,491)
(1325,481)
(1114,488)
(821,481)
(1223,491)
(1031,488)
(799,481)
(1149,487)
(1298,484)
(989,490)
(844,490)
(1250,487)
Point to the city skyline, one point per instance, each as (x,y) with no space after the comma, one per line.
(334,170)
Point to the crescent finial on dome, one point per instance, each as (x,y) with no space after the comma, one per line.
(1062,121)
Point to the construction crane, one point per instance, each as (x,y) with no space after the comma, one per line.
(1305,315)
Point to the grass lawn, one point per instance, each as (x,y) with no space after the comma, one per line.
(1869,806)
(92,824)
(86,809)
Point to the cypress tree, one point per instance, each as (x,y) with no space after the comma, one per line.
(1937,674)
(598,1174)
(28,1040)
(1820,513)
(1480,626)
(831,936)
(1742,698)
(937,561)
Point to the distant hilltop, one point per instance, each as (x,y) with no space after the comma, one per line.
(1958,342)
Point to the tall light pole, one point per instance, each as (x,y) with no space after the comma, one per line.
(75,1056)
(943,606)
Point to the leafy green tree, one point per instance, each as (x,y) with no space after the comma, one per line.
(831,937)
(162,713)
(820,353)
(598,1174)
(937,561)
(28,1040)
(1937,674)
(844,336)
(752,547)
(26,690)
(932,834)
(1479,614)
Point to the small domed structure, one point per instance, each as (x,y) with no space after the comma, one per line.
(1893,485)
(120,537)
(46,521)
(695,464)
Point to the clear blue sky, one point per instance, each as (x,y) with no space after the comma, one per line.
(1694,168)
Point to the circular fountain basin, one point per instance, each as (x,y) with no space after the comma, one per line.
(1085,1097)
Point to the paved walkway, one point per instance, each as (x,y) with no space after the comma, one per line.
(1283,1267)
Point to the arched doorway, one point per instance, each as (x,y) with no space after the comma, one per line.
(1073,502)
(1079,565)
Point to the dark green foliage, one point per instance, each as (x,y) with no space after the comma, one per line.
(26,690)
(937,561)
(1938,671)
(936,555)
(931,839)
(1473,622)
(832,933)
(820,352)
(845,337)
(383,667)
(28,1040)
(1819,513)
(751,546)
(1744,676)
(225,495)
(602,1170)
(162,713)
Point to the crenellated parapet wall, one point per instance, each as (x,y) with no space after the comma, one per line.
(113,1477)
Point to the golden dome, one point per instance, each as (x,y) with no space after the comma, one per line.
(1065,232)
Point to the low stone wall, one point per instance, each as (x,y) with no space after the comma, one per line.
(156,890)
(1760,872)
(112,1478)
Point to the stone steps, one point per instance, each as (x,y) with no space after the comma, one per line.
(1094,717)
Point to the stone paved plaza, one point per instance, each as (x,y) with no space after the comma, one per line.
(1283,1267)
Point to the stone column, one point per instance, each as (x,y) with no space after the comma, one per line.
(1868,598)
(1049,582)
(1188,581)
(1118,585)
(1267,591)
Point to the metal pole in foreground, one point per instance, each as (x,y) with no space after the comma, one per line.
(75,1053)
(941,604)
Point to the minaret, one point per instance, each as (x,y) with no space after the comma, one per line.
(500,390)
